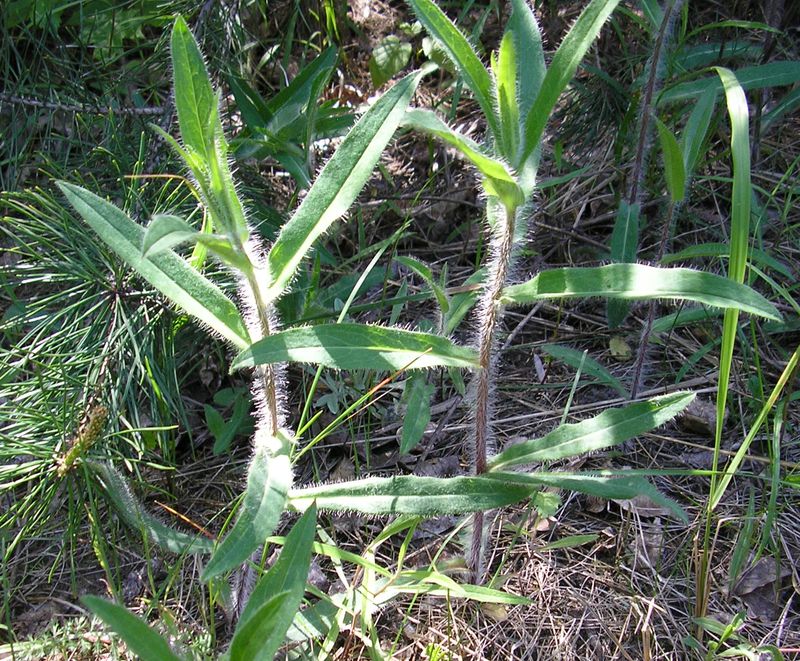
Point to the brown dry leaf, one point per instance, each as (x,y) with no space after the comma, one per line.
(762,573)
(643,506)
(496,612)
(595,504)
(345,470)
(650,543)
(700,417)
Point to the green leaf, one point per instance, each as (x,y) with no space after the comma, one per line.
(611,427)
(531,68)
(674,170)
(585,363)
(424,272)
(610,486)
(410,494)
(300,92)
(287,576)
(339,182)
(694,133)
(135,516)
(562,69)
(388,58)
(417,395)
(167,272)
(356,346)
(741,197)
(505,71)
(461,53)
(164,233)
(624,248)
(722,251)
(142,640)
(429,122)
(195,100)
(268,482)
(760,76)
(637,281)
(258,636)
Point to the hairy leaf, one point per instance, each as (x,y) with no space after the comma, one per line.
(356,346)
(410,494)
(637,281)
(611,427)
(167,272)
(339,182)
(461,53)
(268,481)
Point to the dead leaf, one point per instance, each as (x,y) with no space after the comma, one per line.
(595,504)
(700,417)
(643,506)
(762,573)
(496,612)
(345,471)
(650,543)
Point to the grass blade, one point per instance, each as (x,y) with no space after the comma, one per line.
(637,281)
(339,182)
(268,482)
(760,76)
(694,134)
(410,494)
(561,70)
(611,427)
(356,346)
(195,100)
(167,272)
(461,53)
(739,238)
(138,636)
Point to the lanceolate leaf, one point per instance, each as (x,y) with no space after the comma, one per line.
(428,122)
(356,346)
(339,182)
(674,169)
(268,482)
(611,427)
(195,100)
(263,623)
(410,494)
(637,281)
(258,638)
(290,571)
(131,511)
(462,54)
(164,232)
(167,272)
(417,397)
(772,74)
(530,56)
(143,641)
(609,486)
(587,365)
(562,69)
(722,250)
(505,74)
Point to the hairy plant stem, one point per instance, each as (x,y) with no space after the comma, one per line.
(489,316)
(266,373)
